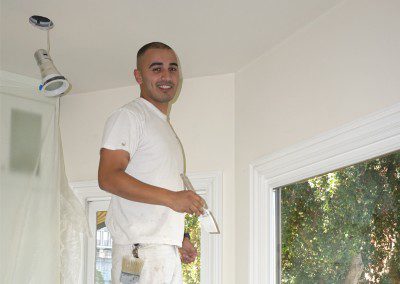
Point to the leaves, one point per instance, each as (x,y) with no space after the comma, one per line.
(191,272)
(330,219)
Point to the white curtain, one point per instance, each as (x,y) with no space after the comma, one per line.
(41,219)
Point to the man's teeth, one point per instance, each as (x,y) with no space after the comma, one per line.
(165,87)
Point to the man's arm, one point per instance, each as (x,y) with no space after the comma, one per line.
(112,178)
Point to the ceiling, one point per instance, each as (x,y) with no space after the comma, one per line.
(94,42)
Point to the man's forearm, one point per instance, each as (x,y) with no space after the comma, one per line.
(128,187)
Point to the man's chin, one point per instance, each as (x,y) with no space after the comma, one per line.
(165,97)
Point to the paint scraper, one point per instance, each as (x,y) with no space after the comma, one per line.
(207,220)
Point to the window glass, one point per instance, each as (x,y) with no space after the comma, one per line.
(344,226)
(191,271)
(103,250)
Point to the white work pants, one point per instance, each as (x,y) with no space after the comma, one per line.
(162,263)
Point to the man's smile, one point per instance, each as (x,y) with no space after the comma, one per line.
(164,86)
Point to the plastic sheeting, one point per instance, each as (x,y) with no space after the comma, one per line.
(41,219)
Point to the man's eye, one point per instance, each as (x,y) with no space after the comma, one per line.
(156,69)
(173,69)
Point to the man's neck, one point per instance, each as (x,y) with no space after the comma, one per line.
(163,107)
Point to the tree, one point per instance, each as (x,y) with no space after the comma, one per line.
(191,272)
(343,224)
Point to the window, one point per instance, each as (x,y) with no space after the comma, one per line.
(98,252)
(191,272)
(372,136)
(99,257)
(342,227)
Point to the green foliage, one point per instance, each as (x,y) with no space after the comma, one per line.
(329,220)
(191,272)
(99,277)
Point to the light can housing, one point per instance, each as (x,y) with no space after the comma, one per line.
(53,83)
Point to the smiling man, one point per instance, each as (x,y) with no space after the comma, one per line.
(141,160)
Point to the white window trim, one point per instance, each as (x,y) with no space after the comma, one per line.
(88,191)
(208,185)
(360,140)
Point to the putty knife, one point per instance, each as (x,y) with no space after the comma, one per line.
(207,220)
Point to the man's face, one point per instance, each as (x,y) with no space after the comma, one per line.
(158,75)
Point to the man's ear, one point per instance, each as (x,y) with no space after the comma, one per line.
(138,76)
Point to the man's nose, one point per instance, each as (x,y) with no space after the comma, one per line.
(165,74)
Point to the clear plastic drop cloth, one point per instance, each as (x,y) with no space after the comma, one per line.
(41,219)
(73,224)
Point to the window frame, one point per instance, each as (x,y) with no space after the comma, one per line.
(207,184)
(365,138)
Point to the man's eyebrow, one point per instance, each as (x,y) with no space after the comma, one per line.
(161,64)
(155,64)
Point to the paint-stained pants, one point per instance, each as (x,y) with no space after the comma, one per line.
(162,263)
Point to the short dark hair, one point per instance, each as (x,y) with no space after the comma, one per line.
(151,45)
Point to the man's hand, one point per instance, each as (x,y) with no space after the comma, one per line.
(186,201)
(188,251)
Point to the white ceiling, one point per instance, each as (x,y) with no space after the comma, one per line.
(94,42)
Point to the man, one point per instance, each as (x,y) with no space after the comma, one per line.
(141,161)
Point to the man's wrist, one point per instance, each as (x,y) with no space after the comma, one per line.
(168,198)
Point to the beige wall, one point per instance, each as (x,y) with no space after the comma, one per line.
(344,65)
(203,118)
(81,121)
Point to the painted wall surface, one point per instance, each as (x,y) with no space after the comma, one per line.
(342,66)
(203,117)
(82,122)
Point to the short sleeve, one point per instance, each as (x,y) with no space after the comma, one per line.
(122,132)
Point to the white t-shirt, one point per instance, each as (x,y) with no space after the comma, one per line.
(156,158)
